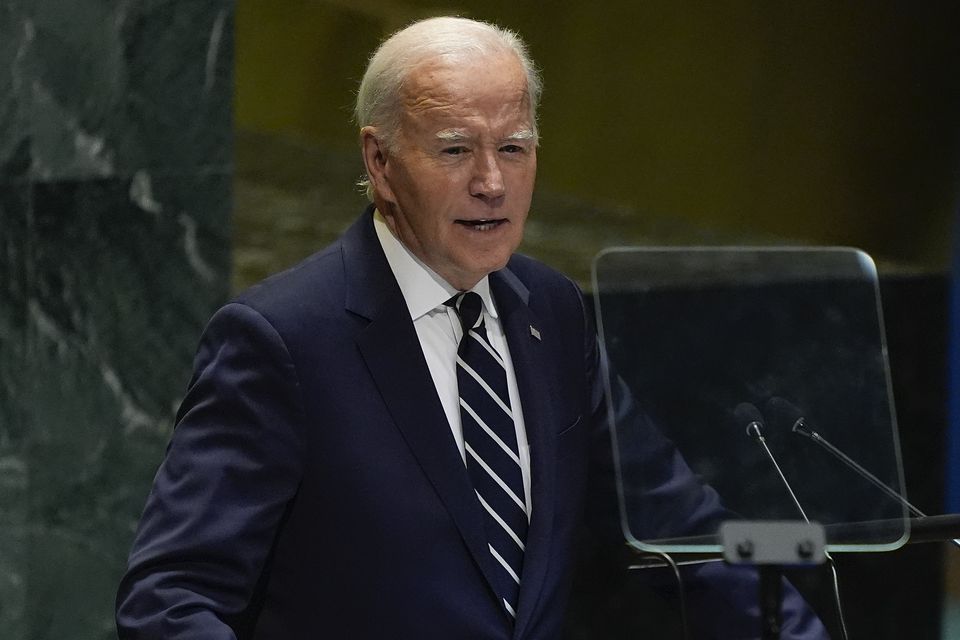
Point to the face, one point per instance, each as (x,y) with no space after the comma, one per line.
(456,185)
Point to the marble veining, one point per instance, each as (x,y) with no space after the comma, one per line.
(96,90)
(213,50)
(192,249)
(115,198)
(141,193)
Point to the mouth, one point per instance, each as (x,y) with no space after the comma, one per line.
(484,224)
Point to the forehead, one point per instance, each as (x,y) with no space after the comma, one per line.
(493,88)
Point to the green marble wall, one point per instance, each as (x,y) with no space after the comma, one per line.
(115,184)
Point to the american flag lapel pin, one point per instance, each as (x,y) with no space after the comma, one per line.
(535,332)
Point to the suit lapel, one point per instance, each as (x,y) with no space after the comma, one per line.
(391,349)
(522,329)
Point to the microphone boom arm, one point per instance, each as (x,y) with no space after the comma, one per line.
(800,427)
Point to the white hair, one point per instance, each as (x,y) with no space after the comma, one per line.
(457,39)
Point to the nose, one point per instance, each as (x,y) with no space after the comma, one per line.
(487,183)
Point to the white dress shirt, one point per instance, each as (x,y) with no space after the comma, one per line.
(439,331)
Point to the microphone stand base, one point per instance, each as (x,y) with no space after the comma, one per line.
(771,545)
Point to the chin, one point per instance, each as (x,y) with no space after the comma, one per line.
(497,266)
(481,266)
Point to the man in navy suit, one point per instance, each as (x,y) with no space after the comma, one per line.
(317,482)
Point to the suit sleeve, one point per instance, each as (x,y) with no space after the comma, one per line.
(665,498)
(232,467)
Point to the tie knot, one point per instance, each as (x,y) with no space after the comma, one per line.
(469,306)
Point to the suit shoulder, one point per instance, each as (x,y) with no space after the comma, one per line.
(310,283)
(541,278)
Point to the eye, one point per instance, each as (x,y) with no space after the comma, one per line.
(454,151)
(512,148)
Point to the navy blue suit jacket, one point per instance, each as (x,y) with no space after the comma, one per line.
(312,487)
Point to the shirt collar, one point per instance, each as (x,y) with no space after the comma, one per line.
(423,290)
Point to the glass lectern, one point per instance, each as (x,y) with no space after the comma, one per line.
(794,334)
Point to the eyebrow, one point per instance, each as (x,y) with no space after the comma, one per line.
(458,135)
(522,134)
(452,135)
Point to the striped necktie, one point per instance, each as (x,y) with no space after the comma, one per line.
(490,441)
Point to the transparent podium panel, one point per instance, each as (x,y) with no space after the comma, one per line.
(738,380)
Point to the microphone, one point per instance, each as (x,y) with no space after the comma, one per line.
(800,426)
(746,413)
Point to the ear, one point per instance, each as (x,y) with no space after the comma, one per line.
(375,161)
